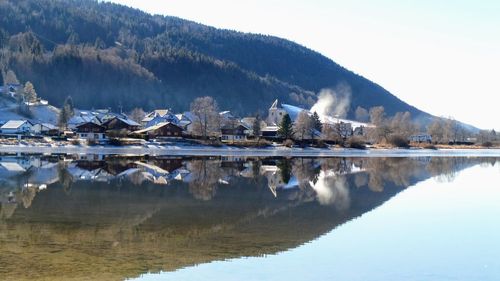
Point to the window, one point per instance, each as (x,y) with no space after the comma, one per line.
(96,136)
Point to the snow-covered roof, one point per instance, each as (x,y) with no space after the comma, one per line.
(14,124)
(129,122)
(154,127)
(12,166)
(157,112)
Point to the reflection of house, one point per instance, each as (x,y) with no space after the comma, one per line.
(234,134)
(165,130)
(162,175)
(91,131)
(275,179)
(17,127)
(89,170)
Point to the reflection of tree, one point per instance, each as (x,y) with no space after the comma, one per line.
(27,195)
(306,170)
(360,180)
(338,165)
(443,168)
(65,178)
(396,170)
(285,167)
(206,174)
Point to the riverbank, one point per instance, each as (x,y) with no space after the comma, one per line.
(200,150)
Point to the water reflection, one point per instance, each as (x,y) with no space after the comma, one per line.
(111,217)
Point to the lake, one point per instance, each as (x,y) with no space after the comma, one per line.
(112,217)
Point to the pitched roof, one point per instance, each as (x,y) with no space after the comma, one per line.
(127,121)
(14,124)
(155,127)
(158,112)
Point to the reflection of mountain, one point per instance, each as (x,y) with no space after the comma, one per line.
(113,230)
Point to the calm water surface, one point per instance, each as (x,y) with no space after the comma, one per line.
(175,218)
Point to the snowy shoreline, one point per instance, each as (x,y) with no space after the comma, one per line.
(179,150)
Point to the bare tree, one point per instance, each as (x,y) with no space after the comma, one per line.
(362,114)
(207,119)
(452,128)
(436,130)
(29,92)
(377,115)
(10,78)
(256,129)
(304,125)
(401,124)
(137,114)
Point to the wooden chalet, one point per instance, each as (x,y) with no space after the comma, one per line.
(91,131)
(161,130)
(118,123)
(234,134)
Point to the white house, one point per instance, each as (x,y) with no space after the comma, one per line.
(17,127)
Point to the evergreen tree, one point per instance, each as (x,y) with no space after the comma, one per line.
(285,128)
(67,111)
(317,122)
(69,102)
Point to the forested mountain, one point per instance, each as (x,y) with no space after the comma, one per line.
(108,55)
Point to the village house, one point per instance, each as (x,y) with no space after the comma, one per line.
(184,121)
(45,129)
(421,138)
(82,118)
(121,123)
(238,133)
(17,127)
(269,132)
(159,116)
(91,131)
(161,130)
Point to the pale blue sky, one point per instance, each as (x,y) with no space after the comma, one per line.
(441,56)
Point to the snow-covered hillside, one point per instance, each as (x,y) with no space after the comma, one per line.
(41,113)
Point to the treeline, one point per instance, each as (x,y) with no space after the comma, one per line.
(104,54)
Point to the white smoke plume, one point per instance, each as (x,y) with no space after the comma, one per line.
(333,102)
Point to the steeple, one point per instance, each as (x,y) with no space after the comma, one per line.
(276,104)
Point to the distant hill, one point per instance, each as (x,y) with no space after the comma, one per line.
(107,55)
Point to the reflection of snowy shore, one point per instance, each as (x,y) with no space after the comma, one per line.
(230,151)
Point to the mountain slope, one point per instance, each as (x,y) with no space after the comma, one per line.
(105,54)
